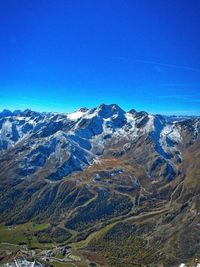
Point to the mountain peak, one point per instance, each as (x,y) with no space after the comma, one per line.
(109,106)
(5,113)
(132,111)
(107,111)
(84,109)
(93,167)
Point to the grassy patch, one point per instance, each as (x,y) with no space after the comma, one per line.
(21,234)
(13,236)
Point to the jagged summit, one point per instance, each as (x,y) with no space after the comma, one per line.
(102,108)
(8,113)
(132,111)
(73,141)
(84,109)
(92,167)
(107,111)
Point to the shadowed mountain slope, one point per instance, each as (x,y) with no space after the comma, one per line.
(117,181)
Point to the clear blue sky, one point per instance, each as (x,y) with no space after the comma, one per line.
(58,55)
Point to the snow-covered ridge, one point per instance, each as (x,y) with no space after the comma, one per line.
(71,142)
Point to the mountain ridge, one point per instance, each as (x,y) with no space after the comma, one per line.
(104,170)
(80,130)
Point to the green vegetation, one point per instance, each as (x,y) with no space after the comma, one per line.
(121,246)
(58,264)
(22,234)
(54,201)
(51,235)
(104,207)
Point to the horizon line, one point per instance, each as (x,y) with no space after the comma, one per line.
(178,113)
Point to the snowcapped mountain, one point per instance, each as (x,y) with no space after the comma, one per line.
(72,142)
(127,181)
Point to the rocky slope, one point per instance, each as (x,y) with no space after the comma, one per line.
(131,177)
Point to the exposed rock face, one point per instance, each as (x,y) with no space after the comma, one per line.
(95,166)
(71,142)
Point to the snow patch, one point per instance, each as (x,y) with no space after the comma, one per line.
(75,115)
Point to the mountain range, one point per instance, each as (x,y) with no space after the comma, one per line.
(119,188)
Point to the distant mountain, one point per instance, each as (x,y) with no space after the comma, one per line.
(130,177)
(173,118)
